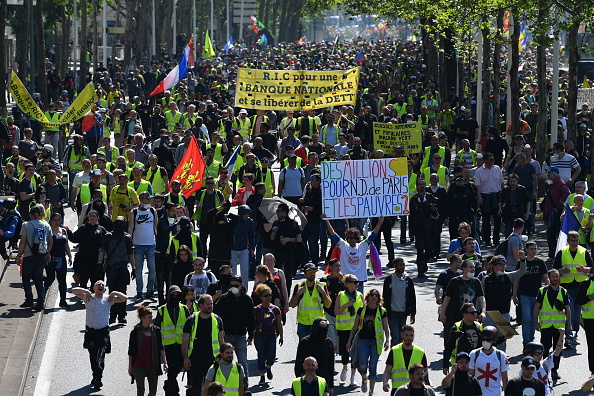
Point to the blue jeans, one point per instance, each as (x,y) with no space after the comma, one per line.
(266,348)
(33,270)
(50,276)
(368,357)
(240,345)
(395,321)
(361,287)
(303,330)
(527,303)
(576,311)
(140,252)
(240,262)
(403,224)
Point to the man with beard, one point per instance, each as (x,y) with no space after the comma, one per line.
(319,346)
(458,381)
(171,317)
(526,383)
(199,352)
(46,159)
(118,251)
(309,383)
(230,375)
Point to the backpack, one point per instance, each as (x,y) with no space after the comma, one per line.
(478,351)
(39,245)
(284,172)
(266,319)
(502,247)
(189,276)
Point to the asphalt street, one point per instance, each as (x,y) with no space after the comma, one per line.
(60,365)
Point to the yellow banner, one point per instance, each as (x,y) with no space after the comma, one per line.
(388,135)
(296,89)
(81,105)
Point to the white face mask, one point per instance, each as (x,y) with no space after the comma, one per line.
(171,220)
(524,238)
(486,345)
(234,290)
(556,155)
(470,274)
(500,273)
(460,272)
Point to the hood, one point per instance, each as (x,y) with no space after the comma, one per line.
(316,331)
(173,289)
(243,209)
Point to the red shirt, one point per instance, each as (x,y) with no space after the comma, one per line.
(144,359)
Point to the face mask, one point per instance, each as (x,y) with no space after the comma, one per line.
(491,138)
(470,274)
(524,238)
(171,220)
(234,290)
(460,272)
(322,333)
(486,345)
(556,155)
(118,227)
(41,199)
(174,300)
(232,92)
(500,273)
(549,181)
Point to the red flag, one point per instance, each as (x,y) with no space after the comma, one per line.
(190,171)
(255,28)
(190,58)
(335,255)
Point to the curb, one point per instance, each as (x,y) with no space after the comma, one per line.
(31,351)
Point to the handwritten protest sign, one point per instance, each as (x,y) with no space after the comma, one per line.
(296,89)
(354,189)
(388,135)
(585,95)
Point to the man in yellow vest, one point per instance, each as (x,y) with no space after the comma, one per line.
(189,117)
(86,190)
(585,298)
(219,147)
(426,156)
(416,374)
(267,178)
(52,135)
(138,184)
(574,262)
(172,116)
(244,125)
(310,298)
(171,318)
(442,172)
(226,372)
(310,380)
(157,176)
(109,152)
(123,198)
(199,350)
(466,156)
(551,312)
(401,358)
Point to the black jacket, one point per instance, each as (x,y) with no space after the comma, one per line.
(411,297)
(320,348)
(135,343)
(237,313)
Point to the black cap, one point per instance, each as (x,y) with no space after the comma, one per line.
(528,362)
(236,278)
(309,266)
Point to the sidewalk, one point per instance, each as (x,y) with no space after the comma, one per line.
(18,328)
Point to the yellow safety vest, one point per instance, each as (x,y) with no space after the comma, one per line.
(52,118)
(180,199)
(441,172)
(346,321)
(114,153)
(587,203)
(172,333)
(567,261)
(455,350)
(377,324)
(222,188)
(412,184)
(172,120)
(310,306)
(102,102)
(424,124)
(212,169)
(85,193)
(433,103)
(157,181)
(214,335)
(399,369)
(427,155)
(551,316)
(187,118)
(218,156)
(232,384)
(244,128)
(267,179)
(254,118)
(297,386)
(165,102)
(588,308)
(584,223)
(143,186)
(198,213)
(75,162)
(401,110)
(117,127)
(286,122)
(447,119)
(194,245)
(324,129)
(472,153)
(299,162)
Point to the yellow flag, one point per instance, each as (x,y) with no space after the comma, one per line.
(209,51)
(82,105)
(586,84)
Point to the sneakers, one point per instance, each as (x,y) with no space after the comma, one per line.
(269,373)
(262,380)
(150,297)
(27,304)
(122,320)
(64,304)
(343,374)
(97,385)
(568,343)
(370,392)
(353,381)
(364,385)
(574,341)
(138,297)
(555,375)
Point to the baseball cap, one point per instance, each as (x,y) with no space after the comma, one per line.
(461,355)
(528,362)
(95,172)
(554,169)
(292,156)
(527,147)
(48,147)
(102,110)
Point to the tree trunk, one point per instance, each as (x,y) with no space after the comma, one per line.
(497,69)
(65,46)
(128,35)
(166,26)
(450,65)
(3,76)
(82,39)
(486,82)
(143,12)
(514,95)
(95,36)
(284,21)
(22,43)
(275,8)
(40,50)
(574,57)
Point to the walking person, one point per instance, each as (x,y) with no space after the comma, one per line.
(371,327)
(309,298)
(226,372)
(399,294)
(143,229)
(268,327)
(145,352)
(309,383)
(57,267)
(319,346)
(585,298)
(402,358)
(34,254)
(489,363)
(97,340)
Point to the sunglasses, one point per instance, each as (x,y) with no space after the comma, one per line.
(537,353)
(374,295)
(472,312)
(355,282)
(209,183)
(266,295)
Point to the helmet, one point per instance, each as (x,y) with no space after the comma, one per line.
(9,203)
(185,222)
(64,92)
(489,332)
(533,346)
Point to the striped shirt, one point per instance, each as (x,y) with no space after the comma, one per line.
(565,165)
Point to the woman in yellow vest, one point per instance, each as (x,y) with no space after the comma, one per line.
(346,306)
(371,328)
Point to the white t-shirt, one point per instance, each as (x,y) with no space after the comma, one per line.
(199,282)
(544,374)
(353,260)
(81,178)
(488,369)
(98,310)
(144,227)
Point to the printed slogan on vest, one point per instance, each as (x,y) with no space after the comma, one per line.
(355,189)
(296,89)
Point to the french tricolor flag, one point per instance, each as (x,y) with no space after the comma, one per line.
(178,73)
(570,223)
